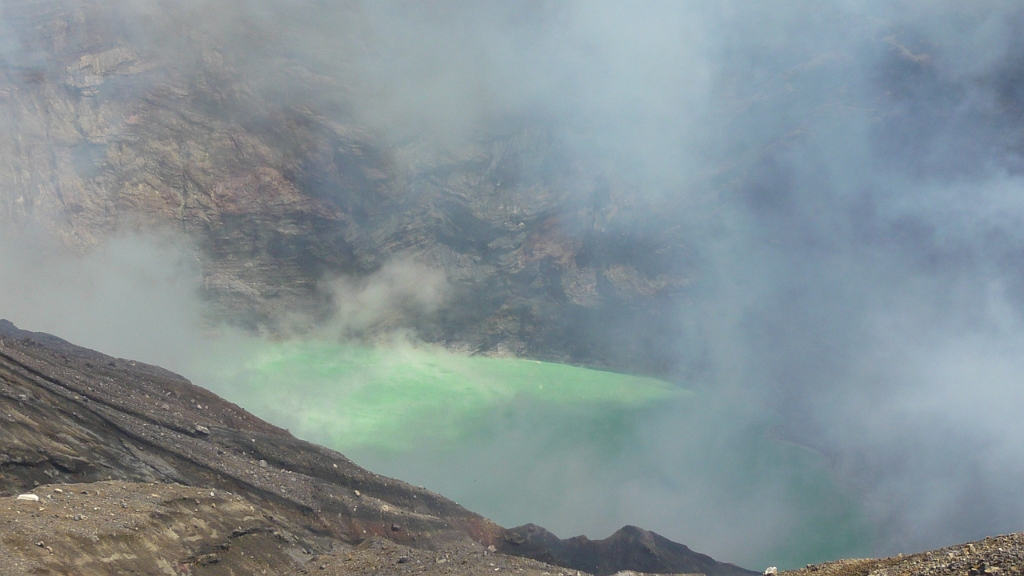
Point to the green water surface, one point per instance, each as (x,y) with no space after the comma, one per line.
(399,399)
(567,447)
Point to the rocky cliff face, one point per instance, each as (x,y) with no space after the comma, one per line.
(122,116)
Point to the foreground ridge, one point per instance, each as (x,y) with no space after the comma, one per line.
(1002,555)
(133,468)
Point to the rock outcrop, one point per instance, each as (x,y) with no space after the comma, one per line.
(639,549)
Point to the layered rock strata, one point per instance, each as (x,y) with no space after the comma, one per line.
(119,118)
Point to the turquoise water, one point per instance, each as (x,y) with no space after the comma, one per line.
(570,448)
(400,399)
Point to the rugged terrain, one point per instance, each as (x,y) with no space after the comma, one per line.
(135,466)
(119,119)
(993,555)
(146,528)
(109,466)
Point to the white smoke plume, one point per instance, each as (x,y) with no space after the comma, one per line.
(392,298)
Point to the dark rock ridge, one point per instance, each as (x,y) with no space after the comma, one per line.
(639,549)
(72,415)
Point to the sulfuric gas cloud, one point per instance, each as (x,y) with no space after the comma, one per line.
(848,176)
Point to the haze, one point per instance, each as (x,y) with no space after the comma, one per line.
(846,176)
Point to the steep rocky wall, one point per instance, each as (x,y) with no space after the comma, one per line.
(121,116)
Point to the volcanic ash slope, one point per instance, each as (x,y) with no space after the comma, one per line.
(128,467)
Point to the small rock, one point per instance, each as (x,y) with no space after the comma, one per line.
(28,497)
(403,559)
(395,527)
(263,463)
(491,548)
(771,570)
(202,430)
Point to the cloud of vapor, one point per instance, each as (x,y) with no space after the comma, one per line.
(139,296)
(861,271)
(875,251)
(135,297)
(393,298)
(859,278)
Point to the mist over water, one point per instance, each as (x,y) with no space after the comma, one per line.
(849,179)
(527,441)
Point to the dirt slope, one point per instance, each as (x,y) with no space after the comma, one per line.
(1003,555)
(143,528)
(74,416)
(119,527)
